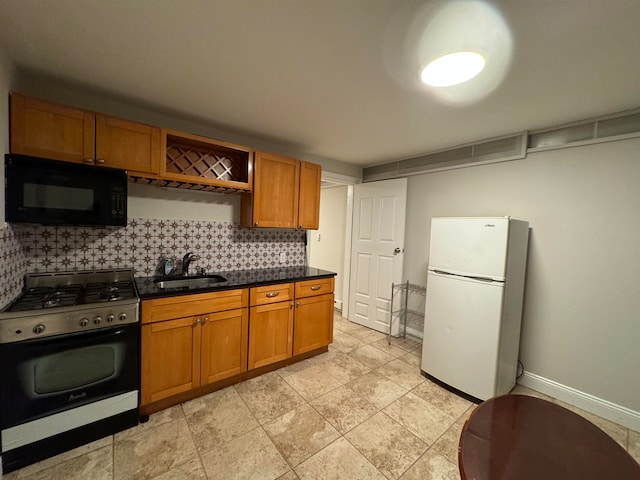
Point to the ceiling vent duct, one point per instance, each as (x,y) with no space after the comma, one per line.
(501,149)
(605,129)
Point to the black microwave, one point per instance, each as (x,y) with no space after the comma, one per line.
(50,192)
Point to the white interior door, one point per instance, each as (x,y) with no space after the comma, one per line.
(377,250)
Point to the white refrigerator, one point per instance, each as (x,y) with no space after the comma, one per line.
(473,308)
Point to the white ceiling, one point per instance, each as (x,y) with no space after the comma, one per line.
(333,78)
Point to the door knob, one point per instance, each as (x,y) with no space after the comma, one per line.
(397,250)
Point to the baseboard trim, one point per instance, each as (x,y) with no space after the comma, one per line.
(414,333)
(337,304)
(598,406)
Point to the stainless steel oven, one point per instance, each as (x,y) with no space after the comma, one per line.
(69,350)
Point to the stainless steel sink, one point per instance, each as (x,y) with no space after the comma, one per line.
(198,281)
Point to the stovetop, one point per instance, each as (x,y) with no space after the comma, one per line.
(36,298)
(69,302)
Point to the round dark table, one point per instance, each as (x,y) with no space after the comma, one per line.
(518,437)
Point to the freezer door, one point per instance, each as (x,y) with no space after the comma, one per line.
(462,333)
(469,246)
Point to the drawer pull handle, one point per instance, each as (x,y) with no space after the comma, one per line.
(272,294)
(196,322)
(205,320)
(315,287)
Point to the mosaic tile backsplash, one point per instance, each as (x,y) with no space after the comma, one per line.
(13,265)
(141,245)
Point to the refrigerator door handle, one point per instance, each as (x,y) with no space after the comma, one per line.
(479,279)
(442,272)
(484,279)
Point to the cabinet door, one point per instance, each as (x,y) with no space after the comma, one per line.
(224,344)
(270,333)
(48,130)
(127,145)
(275,191)
(309,201)
(170,358)
(313,324)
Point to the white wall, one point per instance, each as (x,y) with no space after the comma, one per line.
(328,252)
(581,323)
(149,201)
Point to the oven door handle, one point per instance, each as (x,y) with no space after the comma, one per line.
(68,340)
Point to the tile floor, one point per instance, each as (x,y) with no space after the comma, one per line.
(360,411)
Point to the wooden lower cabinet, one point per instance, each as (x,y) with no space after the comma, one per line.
(289,319)
(313,323)
(270,333)
(207,344)
(223,345)
(216,339)
(170,358)
(270,324)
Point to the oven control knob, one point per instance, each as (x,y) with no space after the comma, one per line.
(84,322)
(110,318)
(97,320)
(38,329)
(122,317)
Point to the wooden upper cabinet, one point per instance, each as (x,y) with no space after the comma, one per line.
(309,200)
(275,191)
(48,130)
(220,166)
(286,194)
(44,129)
(127,145)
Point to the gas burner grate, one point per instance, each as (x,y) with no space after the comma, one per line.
(74,290)
(109,292)
(47,297)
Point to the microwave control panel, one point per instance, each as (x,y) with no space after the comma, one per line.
(118,203)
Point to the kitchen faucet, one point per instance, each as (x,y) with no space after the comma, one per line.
(186,261)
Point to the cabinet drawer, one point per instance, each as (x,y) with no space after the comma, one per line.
(271,294)
(310,288)
(169,308)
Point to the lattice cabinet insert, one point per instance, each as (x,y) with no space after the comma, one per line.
(199,163)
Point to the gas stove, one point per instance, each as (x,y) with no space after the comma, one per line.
(69,302)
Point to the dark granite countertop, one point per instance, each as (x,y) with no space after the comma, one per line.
(235,279)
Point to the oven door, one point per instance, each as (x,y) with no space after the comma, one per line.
(41,377)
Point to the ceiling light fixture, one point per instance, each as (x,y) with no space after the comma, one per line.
(452,69)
